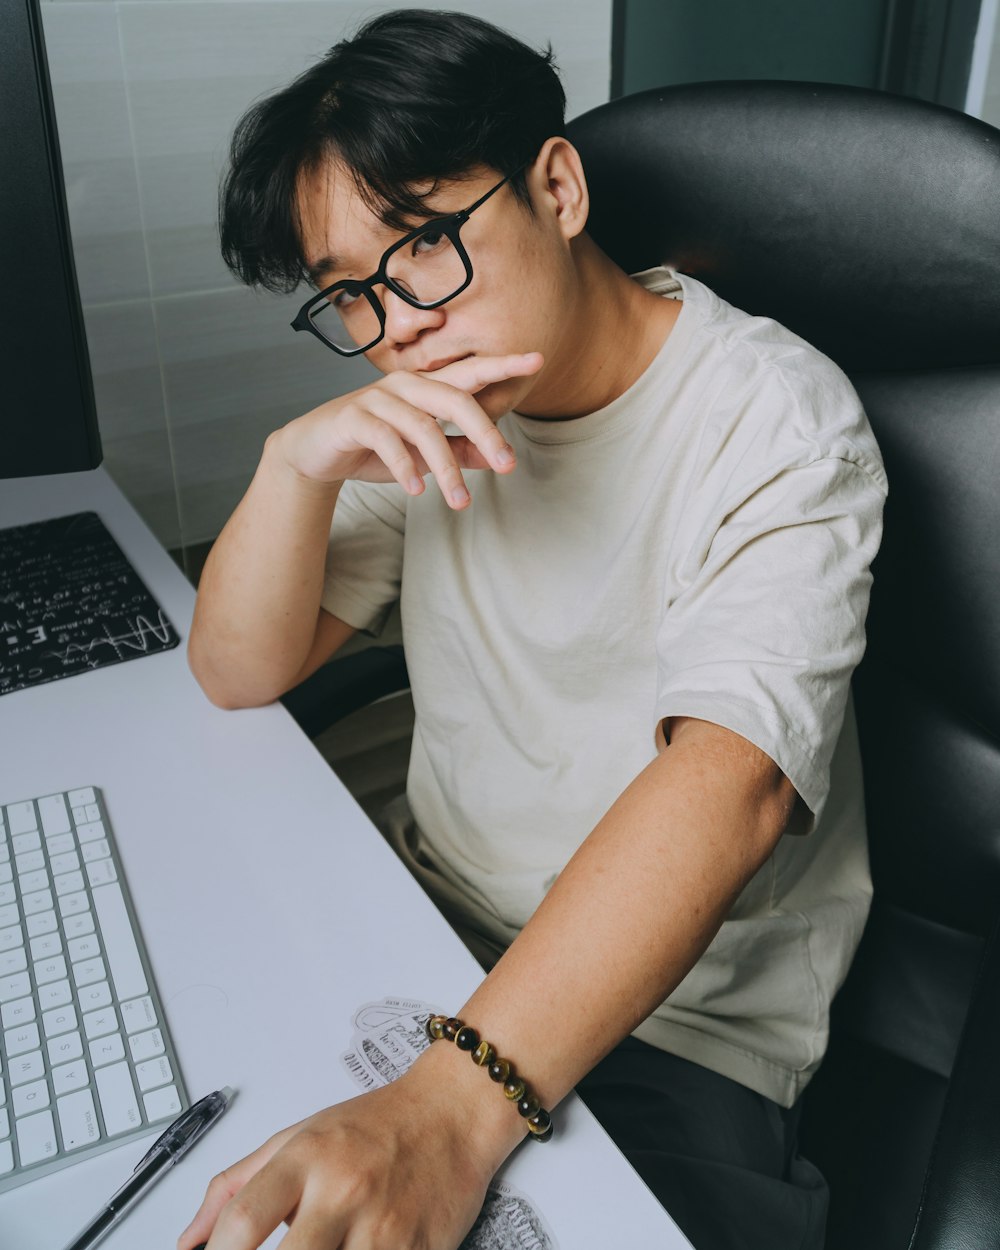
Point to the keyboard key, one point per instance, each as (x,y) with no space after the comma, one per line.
(93,996)
(7,894)
(41,922)
(60,844)
(38,900)
(13,961)
(9,915)
(11,937)
(119,942)
(88,971)
(55,994)
(107,1050)
(83,947)
(118,1104)
(25,842)
(95,850)
(6,1157)
(72,904)
(21,817)
(68,862)
(55,817)
(97,1023)
(63,1049)
(146,1045)
(45,946)
(29,881)
(29,1067)
(80,798)
(91,832)
(29,861)
(21,1011)
(53,969)
(69,1076)
(30,1098)
(17,1041)
(15,986)
(4,1126)
(59,1020)
(138,1015)
(101,872)
(6,872)
(161,1103)
(36,1138)
(81,923)
(153,1073)
(68,883)
(78,1119)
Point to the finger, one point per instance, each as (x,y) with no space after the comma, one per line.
(251,1215)
(222,1188)
(475,372)
(398,420)
(445,402)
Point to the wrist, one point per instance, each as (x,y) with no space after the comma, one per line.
(489,1122)
(281,457)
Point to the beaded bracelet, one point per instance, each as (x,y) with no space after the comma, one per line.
(500,1070)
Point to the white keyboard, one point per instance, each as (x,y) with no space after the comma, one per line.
(86,1061)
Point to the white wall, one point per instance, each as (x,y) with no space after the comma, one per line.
(191,370)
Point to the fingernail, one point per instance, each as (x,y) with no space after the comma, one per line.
(505,456)
(415,485)
(459,496)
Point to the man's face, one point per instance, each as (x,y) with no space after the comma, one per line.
(517,301)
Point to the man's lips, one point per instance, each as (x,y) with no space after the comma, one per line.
(445,360)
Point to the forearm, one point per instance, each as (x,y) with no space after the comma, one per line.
(631,912)
(259,595)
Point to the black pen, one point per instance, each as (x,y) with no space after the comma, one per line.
(162,1155)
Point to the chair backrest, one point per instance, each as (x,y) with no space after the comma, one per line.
(870,225)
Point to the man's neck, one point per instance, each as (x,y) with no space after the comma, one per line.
(612,334)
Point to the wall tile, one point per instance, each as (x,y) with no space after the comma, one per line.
(234,372)
(102,191)
(125,364)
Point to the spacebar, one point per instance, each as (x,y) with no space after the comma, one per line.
(120,947)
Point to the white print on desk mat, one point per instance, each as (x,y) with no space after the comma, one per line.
(388,1036)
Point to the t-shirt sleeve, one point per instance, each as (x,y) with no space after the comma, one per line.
(766,633)
(364,559)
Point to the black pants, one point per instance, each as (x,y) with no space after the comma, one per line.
(720,1158)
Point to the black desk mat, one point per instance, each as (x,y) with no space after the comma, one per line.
(70,602)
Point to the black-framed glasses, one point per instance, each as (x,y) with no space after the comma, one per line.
(425,268)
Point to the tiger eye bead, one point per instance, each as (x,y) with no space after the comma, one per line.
(451,1028)
(514,1088)
(484,1054)
(528,1106)
(466,1038)
(499,1070)
(540,1125)
(435,1028)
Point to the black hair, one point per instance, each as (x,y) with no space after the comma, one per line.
(416,97)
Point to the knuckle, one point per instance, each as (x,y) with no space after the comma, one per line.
(237,1220)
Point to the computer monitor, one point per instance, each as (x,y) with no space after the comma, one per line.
(48,418)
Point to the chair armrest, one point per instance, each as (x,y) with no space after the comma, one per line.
(960,1203)
(345,684)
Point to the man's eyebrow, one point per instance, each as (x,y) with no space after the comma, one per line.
(325,264)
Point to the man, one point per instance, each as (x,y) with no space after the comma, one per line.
(631,537)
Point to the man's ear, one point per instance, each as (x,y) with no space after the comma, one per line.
(558,185)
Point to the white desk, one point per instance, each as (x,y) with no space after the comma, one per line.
(271,910)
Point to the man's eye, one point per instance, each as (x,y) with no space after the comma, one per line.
(429,242)
(344,299)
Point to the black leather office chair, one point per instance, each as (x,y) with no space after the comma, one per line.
(870,225)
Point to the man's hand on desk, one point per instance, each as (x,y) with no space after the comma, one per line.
(402,1167)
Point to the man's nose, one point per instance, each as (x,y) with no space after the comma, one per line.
(403,322)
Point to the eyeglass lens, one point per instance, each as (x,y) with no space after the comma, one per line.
(428,268)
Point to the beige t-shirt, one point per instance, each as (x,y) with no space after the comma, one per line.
(699,547)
